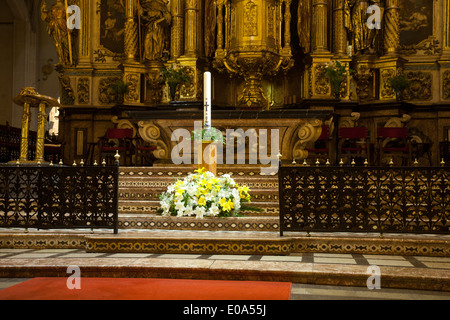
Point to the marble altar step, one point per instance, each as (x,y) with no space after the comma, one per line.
(325,258)
(235,170)
(226,242)
(140,187)
(158,222)
(265,243)
(127,193)
(146,181)
(178,171)
(152,206)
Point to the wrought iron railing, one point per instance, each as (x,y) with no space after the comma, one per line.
(364,199)
(54,197)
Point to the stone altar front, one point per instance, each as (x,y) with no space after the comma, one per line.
(296,128)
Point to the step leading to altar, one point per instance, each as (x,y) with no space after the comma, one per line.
(160,241)
(151,221)
(140,187)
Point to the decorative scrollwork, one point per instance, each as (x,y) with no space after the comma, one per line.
(83,90)
(106,93)
(151,133)
(421,84)
(446,85)
(133,84)
(322,83)
(308,132)
(67,94)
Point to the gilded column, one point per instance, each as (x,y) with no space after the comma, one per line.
(177,32)
(319,85)
(339,30)
(85,33)
(391,28)
(446,26)
(220,6)
(42,118)
(131,33)
(391,62)
(320,34)
(131,66)
(191,35)
(25,132)
(192,45)
(287,24)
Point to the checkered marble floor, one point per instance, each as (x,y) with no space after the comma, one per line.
(326,258)
(298,292)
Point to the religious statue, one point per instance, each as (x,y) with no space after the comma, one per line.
(56,19)
(155,18)
(304,24)
(355,21)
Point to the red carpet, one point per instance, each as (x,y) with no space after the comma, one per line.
(146,289)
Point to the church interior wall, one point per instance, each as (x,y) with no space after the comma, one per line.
(6,57)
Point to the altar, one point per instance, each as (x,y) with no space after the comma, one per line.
(250,134)
(138,65)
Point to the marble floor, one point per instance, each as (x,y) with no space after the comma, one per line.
(321,258)
(299,291)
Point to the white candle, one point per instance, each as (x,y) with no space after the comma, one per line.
(207,100)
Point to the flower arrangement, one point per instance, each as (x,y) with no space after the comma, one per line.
(336,71)
(204,195)
(174,75)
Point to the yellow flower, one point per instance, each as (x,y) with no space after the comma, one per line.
(243,192)
(200,171)
(244,189)
(222,201)
(202,201)
(209,186)
(179,191)
(226,205)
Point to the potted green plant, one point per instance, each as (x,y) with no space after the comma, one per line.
(399,83)
(174,75)
(120,88)
(208,135)
(336,71)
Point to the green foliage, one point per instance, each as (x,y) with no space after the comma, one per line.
(175,75)
(120,87)
(211,134)
(398,82)
(337,72)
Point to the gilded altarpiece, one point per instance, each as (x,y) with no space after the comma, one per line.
(411,34)
(263,54)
